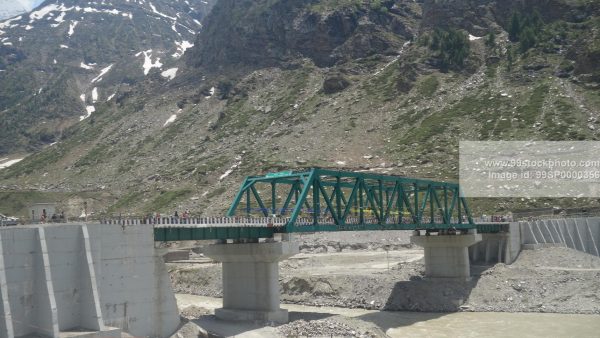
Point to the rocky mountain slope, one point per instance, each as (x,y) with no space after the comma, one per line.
(58,61)
(388,86)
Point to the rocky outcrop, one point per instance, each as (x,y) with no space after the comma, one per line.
(335,83)
(253,34)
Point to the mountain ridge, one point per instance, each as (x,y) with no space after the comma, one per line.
(59,60)
(187,143)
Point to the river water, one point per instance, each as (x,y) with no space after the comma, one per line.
(420,324)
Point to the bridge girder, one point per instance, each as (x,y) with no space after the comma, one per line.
(328,200)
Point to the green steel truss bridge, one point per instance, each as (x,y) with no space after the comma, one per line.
(318,200)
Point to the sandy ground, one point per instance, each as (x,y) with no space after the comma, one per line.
(402,324)
(362,287)
(556,280)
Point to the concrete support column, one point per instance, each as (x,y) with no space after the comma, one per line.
(6,325)
(46,322)
(251,279)
(447,256)
(90,307)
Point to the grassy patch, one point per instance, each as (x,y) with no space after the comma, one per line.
(428,86)
(384,86)
(126,202)
(97,155)
(165,200)
(439,123)
(216,192)
(560,123)
(491,71)
(34,162)
(530,112)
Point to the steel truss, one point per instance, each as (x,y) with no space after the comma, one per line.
(329,200)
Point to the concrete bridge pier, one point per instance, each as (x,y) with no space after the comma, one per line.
(447,256)
(251,279)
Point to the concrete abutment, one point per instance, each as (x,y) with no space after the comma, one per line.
(81,280)
(251,279)
(447,256)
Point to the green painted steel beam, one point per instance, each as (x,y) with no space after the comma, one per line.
(172,234)
(354,194)
(196,234)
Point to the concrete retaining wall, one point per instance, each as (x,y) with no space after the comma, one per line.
(582,234)
(499,247)
(62,278)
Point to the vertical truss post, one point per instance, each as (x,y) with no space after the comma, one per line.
(273,198)
(431,209)
(338,199)
(459,211)
(417,215)
(316,201)
(381,208)
(248,207)
(399,203)
(361,216)
(446,214)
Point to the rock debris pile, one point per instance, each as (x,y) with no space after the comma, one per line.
(323,328)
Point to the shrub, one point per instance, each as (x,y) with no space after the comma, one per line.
(451,47)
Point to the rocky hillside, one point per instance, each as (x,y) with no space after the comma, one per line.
(58,61)
(388,86)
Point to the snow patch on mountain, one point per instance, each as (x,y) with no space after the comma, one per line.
(211,93)
(170,73)
(148,64)
(42,12)
(95,95)
(88,67)
(230,170)
(7,164)
(102,73)
(181,48)
(8,23)
(170,120)
(159,13)
(60,18)
(89,110)
(48,9)
(72,27)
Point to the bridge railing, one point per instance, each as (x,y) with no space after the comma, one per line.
(258,221)
(201,221)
